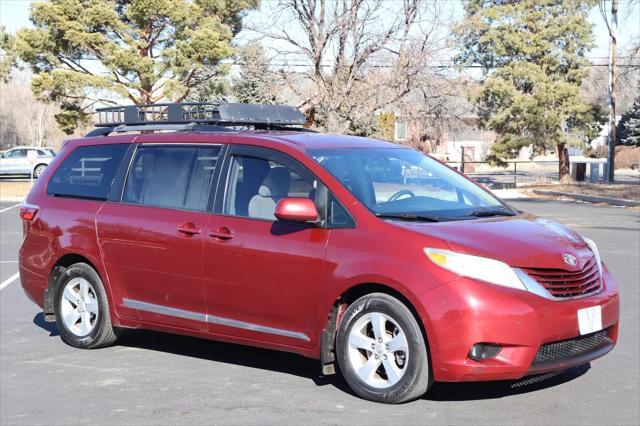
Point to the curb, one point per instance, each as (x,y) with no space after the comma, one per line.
(589,198)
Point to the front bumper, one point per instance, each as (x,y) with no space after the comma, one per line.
(464,312)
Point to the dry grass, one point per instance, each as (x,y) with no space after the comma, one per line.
(14,190)
(627,157)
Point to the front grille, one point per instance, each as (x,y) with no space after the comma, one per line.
(561,283)
(567,349)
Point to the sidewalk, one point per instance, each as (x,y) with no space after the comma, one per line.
(510,194)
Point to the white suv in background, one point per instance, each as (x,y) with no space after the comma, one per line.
(15,161)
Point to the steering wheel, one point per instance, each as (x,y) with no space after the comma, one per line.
(400,193)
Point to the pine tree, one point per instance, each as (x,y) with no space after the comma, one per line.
(7,55)
(628,129)
(87,52)
(532,53)
(256,82)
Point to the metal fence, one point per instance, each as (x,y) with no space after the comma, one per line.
(516,173)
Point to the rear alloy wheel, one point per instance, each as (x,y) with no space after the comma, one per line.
(39,170)
(82,308)
(79,306)
(381,350)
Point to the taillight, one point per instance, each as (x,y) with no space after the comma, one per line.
(28,212)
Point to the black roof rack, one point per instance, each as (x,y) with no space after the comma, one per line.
(195,116)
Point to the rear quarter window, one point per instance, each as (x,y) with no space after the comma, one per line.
(87,172)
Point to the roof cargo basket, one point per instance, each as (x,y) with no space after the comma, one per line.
(199,112)
(195,116)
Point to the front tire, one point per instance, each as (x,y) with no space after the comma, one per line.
(82,308)
(381,350)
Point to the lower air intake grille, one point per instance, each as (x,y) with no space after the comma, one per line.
(567,349)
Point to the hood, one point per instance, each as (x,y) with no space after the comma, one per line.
(523,241)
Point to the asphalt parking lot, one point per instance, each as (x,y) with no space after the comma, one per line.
(152,378)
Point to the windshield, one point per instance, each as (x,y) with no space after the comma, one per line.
(407,184)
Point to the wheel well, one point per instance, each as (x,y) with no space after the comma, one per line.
(58,269)
(328,336)
(38,165)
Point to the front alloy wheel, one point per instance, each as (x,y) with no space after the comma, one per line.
(378,350)
(381,350)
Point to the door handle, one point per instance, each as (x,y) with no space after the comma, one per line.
(188,229)
(222,234)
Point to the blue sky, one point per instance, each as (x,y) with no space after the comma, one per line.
(15,14)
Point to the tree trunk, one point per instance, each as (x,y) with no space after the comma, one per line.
(563,164)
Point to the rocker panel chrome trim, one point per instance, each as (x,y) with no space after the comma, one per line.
(211,319)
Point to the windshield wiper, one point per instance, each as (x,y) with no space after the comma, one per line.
(408,216)
(491,212)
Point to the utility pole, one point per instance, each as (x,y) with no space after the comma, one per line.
(613,30)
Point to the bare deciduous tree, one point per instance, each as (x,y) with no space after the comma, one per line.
(26,120)
(594,87)
(357,55)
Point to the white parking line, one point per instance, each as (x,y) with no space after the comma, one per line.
(9,208)
(9,280)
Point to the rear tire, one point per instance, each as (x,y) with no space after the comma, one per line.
(38,170)
(82,308)
(381,350)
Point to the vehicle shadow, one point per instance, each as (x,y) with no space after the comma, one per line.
(227,353)
(222,352)
(288,363)
(297,365)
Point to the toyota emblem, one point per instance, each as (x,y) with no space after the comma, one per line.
(569,259)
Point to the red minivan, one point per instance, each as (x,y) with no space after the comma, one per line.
(227,222)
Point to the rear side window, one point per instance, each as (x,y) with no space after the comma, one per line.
(172,176)
(87,172)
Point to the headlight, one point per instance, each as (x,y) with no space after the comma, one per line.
(481,268)
(596,253)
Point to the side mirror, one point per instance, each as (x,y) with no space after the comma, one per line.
(296,210)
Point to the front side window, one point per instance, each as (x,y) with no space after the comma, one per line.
(171,176)
(87,172)
(255,185)
(404,182)
(337,215)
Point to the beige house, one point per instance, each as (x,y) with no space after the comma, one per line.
(444,137)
